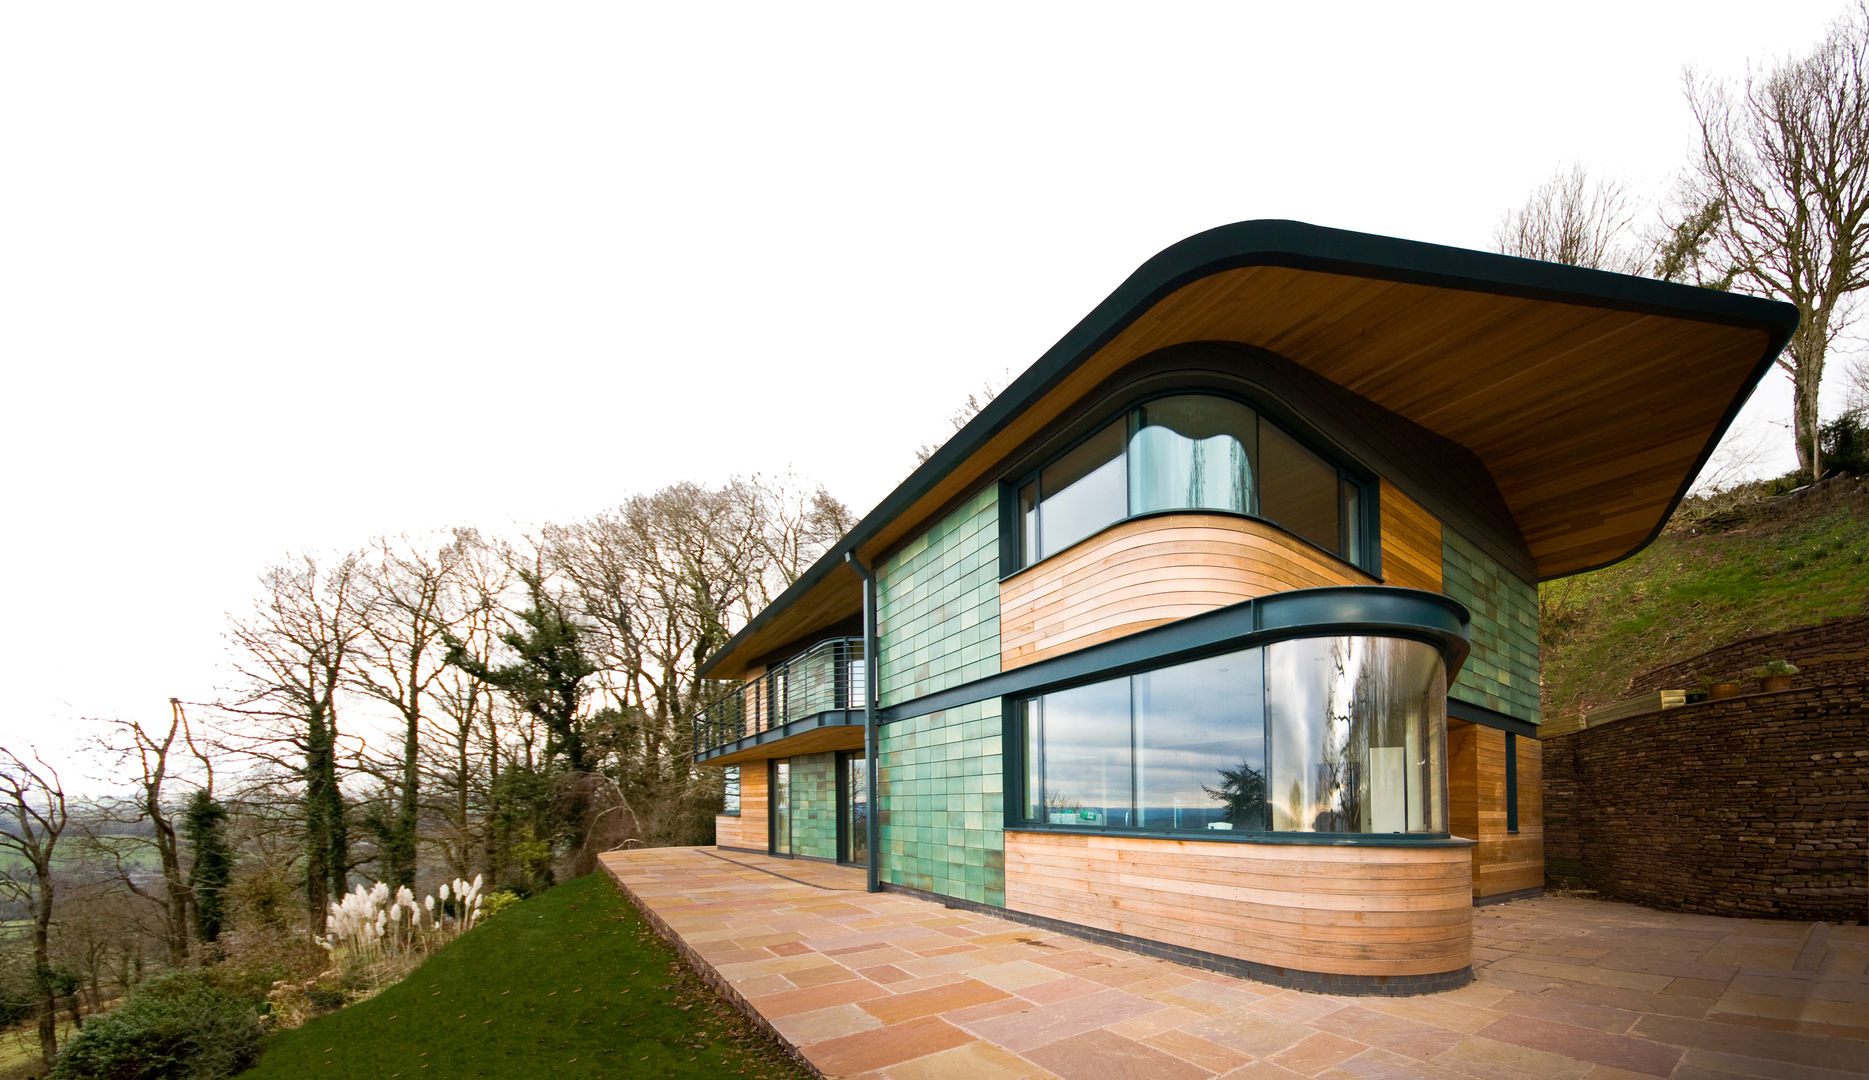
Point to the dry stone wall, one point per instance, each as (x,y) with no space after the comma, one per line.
(1755,806)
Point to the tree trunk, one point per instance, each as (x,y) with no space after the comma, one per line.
(42,967)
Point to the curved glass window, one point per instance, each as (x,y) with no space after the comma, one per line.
(1359,734)
(1189,452)
(1331,735)
(1192,453)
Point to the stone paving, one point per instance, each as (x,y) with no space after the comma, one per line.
(889,987)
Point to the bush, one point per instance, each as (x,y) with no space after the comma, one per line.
(181,1026)
(1845,443)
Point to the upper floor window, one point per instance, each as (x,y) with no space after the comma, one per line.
(1190,452)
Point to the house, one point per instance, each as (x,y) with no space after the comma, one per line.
(1215,634)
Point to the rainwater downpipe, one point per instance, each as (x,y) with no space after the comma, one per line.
(869,716)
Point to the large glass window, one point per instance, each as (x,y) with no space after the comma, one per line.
(1082,491)
(1340,734)
(1200,748)
(1188,452)
(1298,489)
(1191,453)
(1359,734)
(730,790)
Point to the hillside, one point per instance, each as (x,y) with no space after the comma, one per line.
(1724,569)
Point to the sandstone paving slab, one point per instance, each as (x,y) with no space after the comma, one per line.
(889,986)
(1099,1055)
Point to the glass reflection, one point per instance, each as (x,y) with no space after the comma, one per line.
(1086,755)
(1358,729)
(1082,491)
(1191,453)
(1298,490)
(1200,745)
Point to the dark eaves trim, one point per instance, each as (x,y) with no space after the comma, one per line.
(1299,246)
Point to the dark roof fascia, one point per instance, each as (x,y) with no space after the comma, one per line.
(1299,246)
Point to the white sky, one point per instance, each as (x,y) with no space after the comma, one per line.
(283,277)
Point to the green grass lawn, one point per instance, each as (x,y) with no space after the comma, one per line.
(570,983)
(1688,593)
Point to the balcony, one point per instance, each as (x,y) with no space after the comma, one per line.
(820,687)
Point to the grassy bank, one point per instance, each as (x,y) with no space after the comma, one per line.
(571,983)
(1755,570)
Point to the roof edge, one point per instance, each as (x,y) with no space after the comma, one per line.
(1301,246)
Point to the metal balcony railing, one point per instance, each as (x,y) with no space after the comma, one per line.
(827,677)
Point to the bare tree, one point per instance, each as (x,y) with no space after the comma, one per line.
(148,750)
(960,417)
(399,660)
(1574,220)
(293,652)
(1787,157)
(462,760)
(32,818)
(796,525)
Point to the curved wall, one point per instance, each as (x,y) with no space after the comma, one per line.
(1142,573)
(1365,911)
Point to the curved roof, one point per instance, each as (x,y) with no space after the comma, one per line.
(1592,398)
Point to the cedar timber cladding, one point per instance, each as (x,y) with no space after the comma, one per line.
(748,829)
(1503,862)
(1149,571)
(1411,542)
(1369,911)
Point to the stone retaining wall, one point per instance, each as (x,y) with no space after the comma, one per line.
(1756,806)
(1827,653)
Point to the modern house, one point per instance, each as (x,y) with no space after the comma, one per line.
(1216,633)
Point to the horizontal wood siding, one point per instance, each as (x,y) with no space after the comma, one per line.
(1411,542)
(749,829)
(1144,573)
(1476,773)
(1327,908)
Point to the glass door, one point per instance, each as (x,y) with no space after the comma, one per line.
(853,797)
(780,807)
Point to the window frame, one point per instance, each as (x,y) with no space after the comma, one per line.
(1358,526)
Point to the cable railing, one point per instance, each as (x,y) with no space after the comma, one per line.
(827,677)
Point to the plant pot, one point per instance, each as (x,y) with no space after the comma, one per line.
(1720,691)
(1775,684)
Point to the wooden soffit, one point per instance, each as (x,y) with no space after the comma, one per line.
(1592,398)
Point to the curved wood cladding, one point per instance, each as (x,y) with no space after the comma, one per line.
(1336,909)
(1150,571)
(748,829)
(1411,542)
(1503,862)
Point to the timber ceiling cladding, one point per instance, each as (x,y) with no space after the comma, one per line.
(1592,398)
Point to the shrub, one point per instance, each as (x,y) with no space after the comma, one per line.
(1845,443)
(180,1026)
(500,901)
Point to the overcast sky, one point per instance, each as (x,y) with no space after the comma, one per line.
(276,278)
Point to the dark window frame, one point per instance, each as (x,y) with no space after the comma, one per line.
(1360,536)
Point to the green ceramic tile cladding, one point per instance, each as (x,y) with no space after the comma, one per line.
(814,805)
(1502,671)
(941,812)
(937,604)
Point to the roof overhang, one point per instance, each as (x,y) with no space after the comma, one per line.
(1592,398)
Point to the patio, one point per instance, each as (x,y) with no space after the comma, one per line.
(890,987)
